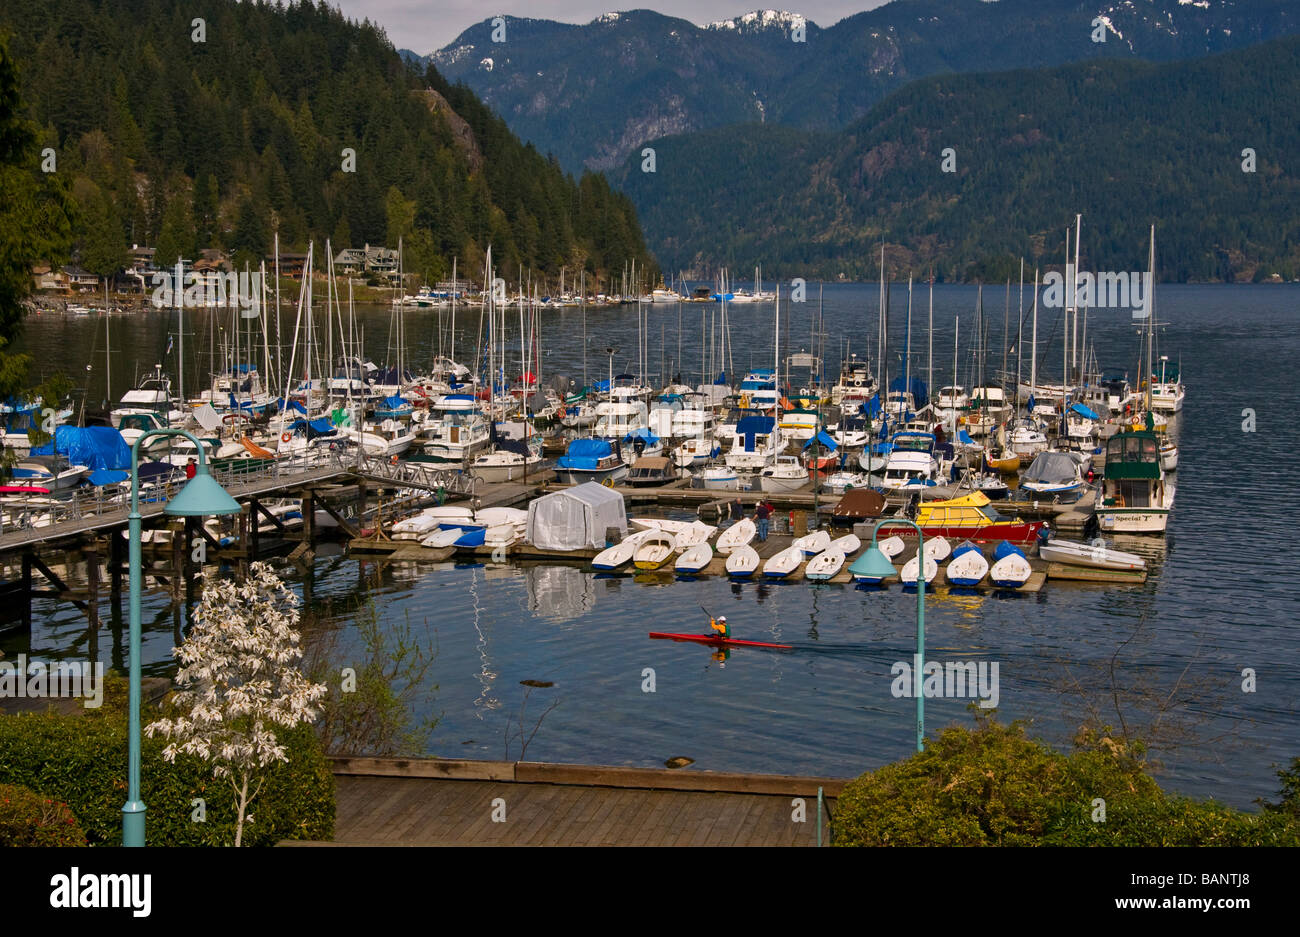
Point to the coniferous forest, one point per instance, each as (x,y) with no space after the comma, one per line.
(220,124)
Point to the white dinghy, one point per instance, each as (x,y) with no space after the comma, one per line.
(848,544)
(784,563)
(737,535)
(654,550)
(968,566)
(443,537)
(813,543)
(619,554)
(1094,555)
(908,575)
(742,562)
(824,565)
(694,559)
(937,548)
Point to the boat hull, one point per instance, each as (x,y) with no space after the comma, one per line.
(720,641)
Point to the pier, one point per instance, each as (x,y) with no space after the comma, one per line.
(449,802)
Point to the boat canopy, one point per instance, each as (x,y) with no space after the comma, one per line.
(641,433)
(395,403)
(1083,411)
(1134,455)
(576,518)
(1052,468)
(103,477)
(314,428)
(751,427)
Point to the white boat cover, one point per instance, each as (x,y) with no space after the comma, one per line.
(576,518)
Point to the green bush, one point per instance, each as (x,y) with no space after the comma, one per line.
(30,819)
(992,786)
(81,760)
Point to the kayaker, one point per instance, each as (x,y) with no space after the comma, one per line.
(720,626)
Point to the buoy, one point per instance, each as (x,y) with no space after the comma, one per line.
(286,436)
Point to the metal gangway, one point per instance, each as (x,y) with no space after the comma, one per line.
(419,475)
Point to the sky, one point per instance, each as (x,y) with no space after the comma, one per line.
(425,25)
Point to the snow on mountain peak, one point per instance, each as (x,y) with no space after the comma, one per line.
(761,19)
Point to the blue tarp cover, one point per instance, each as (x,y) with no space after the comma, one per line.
(641,433)
(751,426)
(320,427)
(826,441)
(107,477)
(97,447)
(1083,411)
(916,387)
(585,453)
(395,403)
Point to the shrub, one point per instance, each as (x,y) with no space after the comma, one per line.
(992,786)
(31,819)
(81,760)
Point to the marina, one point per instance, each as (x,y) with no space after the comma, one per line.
(341,570)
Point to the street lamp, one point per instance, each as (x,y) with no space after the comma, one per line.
(875,565)
(201,496)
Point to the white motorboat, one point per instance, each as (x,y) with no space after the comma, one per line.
(784,563)
(742,562)
(694,559)
(504,465)
(824,565)
(1095,555)
(839,482)
(1052,475)
(736,536)
(720,478)
(968,566)
(813,543)
(785,474)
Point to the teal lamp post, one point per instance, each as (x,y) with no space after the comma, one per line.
(201,496)
(875,565)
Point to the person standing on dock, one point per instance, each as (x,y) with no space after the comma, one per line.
(762,514)
(190,469)
(737,510)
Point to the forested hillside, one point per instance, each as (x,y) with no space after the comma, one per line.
(216,123)
(1127,144)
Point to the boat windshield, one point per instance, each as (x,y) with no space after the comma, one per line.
(991,514)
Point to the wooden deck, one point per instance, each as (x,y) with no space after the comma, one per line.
(448,803)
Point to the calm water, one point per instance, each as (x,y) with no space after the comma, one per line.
(1164,658)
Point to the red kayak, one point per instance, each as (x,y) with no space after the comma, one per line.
(717,641)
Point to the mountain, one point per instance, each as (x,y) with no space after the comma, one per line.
(594,93)
(290,119)
(1126,143)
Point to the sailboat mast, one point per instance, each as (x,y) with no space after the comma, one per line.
(1076,360)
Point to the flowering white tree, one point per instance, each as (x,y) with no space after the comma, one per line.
(239,678)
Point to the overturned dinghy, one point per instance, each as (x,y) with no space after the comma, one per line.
(824,565)
(968,566)
(814,543)
(619,554)
(937,548)
(694,559)
(742,561)
(848,544)
(908,575)
(784,563)
(892,546)
(694,534)
(737,535)
(1012,569)
(443,537)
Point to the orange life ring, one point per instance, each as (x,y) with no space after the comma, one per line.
(286,436)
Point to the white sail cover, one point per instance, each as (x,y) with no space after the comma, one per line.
(576,519)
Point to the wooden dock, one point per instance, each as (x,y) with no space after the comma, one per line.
(436,802)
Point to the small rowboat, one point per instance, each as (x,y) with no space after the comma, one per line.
(783,563)
(824,565)
(742,562)
(654,550)
(968,566)
(1094,555)
(813,543)
(694,534)
(719,641)
(1007,462)
(694,559)
(737,535)
(1012,570)
(617,555)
